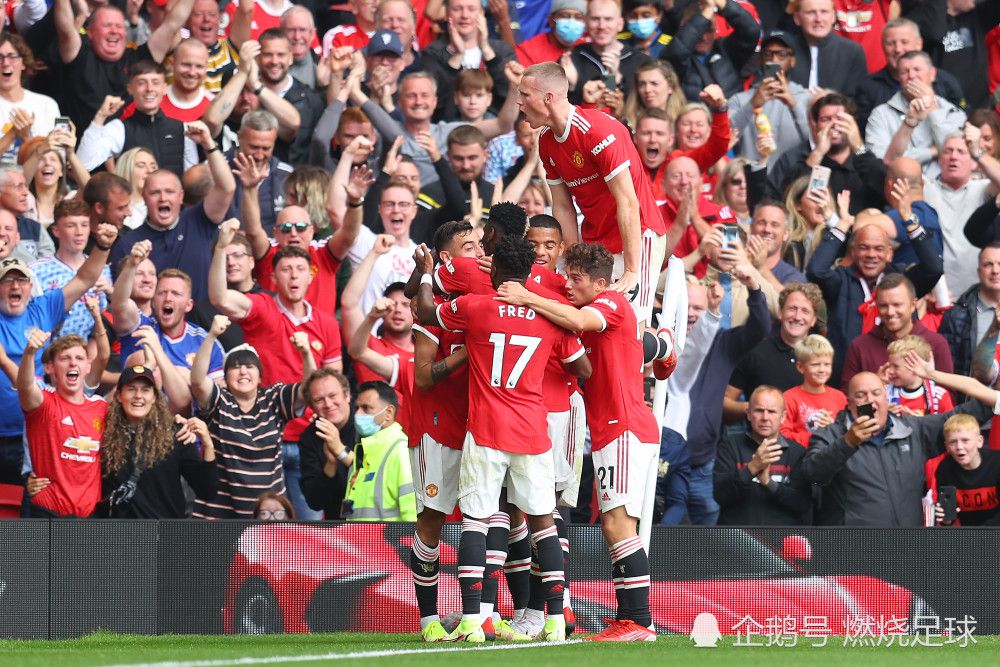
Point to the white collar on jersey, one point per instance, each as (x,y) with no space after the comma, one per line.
(569,125)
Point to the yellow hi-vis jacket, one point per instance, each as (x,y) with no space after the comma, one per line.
(382,488)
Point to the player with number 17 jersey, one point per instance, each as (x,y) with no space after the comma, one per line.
(508,347)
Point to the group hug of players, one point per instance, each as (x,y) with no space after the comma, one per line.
(497,412)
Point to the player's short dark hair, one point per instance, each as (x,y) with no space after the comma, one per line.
(508,219)
(590,258)
(290,251)
(447,232)
(100,186)
(394,287)
(513,257)
(545,221)
(832,100)
(386,394)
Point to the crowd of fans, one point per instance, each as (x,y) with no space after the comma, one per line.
(209,213)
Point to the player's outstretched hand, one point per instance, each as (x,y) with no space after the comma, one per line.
(626,283)
(513,293)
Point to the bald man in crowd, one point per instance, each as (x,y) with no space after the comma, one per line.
(847,288)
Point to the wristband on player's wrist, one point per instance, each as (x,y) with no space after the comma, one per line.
(426,279)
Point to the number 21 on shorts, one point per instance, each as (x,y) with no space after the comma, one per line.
(606,477)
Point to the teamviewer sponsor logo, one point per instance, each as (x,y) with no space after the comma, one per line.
(581,181)
(596,150)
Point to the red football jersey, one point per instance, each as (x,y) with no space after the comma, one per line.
(462,275)
(862,21)
(594,149)
(442,410)
(614,396)
(345,35)
(509,348)
(64,440)
(268,327)
(185,113)
(549,279)
(323,266)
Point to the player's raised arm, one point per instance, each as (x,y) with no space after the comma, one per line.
(425,310)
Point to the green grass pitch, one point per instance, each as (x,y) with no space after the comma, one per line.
(343,649)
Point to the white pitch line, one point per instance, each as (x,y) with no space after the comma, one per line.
(360,655)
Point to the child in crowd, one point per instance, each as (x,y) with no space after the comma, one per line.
(907,392)
(473,94)
(972,470)
(812,405)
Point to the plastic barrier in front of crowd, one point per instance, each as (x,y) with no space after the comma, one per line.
(68,578)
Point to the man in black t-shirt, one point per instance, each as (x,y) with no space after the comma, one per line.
(972,470)
(772,361)
(97,65)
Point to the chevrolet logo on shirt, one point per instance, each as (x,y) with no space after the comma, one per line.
(83,444)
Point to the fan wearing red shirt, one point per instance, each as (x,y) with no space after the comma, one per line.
(688,214)
(357,35)
(623,432)
(389,355)
(187,99)
(863,21)
(293,227)
(63,427)
(508,349)
(438,415)
(589,158)
(268,323)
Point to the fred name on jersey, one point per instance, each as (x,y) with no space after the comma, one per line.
(507,310)
(523,312)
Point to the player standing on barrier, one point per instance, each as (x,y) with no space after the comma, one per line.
(508,349)
(623,432)
(589,157)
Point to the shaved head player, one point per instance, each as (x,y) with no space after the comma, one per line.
(589,157)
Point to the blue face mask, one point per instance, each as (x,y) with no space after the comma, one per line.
(642,28)
(569,30)
(365,423)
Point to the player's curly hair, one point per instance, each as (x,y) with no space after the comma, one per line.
(513,257)
(590,258)
(154,438)
(508,219)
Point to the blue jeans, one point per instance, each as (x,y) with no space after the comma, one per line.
(293,476)
(702,508)
(673,487)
